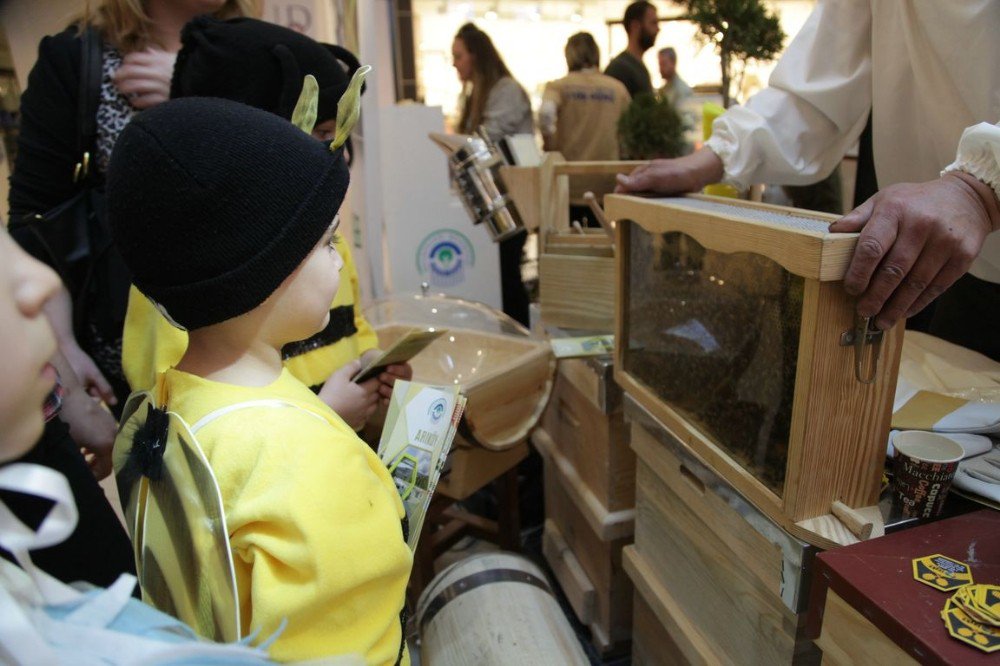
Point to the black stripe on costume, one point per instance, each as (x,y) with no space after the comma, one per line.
(341,326)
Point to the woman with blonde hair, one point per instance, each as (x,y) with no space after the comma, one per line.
(493,100)
(87,83)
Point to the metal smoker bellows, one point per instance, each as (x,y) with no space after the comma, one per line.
(475,166)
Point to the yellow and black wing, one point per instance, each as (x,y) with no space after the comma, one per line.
(175,514)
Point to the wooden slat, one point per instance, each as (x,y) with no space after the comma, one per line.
(815,255)
(594,444)
(848,638)
(651,645)
(583,378)
(716,458)
(687,636)
(757,555)
(524,187)
(842,451)
(554,199)
(607,525)
(576,586)
(577,292)
(599,558)
(694,561)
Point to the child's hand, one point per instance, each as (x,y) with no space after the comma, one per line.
(387,379)
(353,402)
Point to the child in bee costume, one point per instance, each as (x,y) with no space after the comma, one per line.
(254,509)
(262,64)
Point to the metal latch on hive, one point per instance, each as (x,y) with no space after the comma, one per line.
(863,337)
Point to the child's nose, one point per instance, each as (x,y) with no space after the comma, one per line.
(37,284)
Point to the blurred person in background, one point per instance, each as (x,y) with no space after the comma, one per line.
(579,118)
(493,100)
(642,26)
(674,89)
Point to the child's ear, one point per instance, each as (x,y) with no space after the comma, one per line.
(291,80)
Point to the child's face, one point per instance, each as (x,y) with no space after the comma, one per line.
(26,346)
(302,303)
(325,130)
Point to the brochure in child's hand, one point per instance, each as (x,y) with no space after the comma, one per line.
(419,428)
(401,351)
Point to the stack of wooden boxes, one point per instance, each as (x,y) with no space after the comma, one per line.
(755,401)
(589,468)
(589,497)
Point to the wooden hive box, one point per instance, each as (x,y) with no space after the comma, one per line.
(585,423)
(585,553)
(576,269)
(716,581)
(733,329)
(589,496)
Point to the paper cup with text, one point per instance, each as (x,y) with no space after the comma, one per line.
(925,464)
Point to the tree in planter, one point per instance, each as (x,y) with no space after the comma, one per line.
(740,29)
(650,128)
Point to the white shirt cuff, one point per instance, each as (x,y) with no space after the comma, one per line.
(979,155)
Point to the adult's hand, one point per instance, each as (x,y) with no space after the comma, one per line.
(354,403)
(144,77)
(916,240)
(674,176)
(90,378)
(92,427)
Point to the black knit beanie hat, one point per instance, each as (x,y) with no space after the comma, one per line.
(260,64)
(213,203)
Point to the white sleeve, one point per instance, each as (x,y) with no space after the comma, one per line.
(798,129)
(979,155)
(547,117)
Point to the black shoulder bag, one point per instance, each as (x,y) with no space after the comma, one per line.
(74,238)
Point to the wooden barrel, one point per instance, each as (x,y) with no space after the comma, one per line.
(494,608)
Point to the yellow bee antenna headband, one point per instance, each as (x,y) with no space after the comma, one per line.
(348,108)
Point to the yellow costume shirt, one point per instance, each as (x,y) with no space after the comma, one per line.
(151,345)
(313,516)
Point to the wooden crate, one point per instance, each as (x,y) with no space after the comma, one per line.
(587,565)
(585,423)
(575,269)
(731,312)
(578,290)
(726,583)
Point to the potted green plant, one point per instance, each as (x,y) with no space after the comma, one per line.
(650,128)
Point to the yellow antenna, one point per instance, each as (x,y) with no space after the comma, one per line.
(304,115)
(349,107)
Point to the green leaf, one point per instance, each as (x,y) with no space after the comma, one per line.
(304,115)
(349,107)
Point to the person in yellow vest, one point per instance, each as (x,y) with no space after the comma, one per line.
(579,118)
(262,64)
(237,244)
